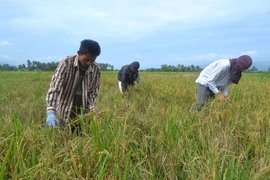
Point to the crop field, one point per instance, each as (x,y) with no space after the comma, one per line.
(147,133)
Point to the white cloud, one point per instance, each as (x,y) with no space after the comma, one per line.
(197,58)
(5,43)
(132,19)
(250,53)
(138,56)
(48,59)
(151,28)
(200,59)
(5,57)
(104,61)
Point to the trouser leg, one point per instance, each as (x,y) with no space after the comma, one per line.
(203,93)
(120,86)
(75,126)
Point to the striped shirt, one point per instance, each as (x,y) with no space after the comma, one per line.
(62,89)
(216,76)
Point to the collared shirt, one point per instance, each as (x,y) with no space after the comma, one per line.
(77,103)
(62,89)
(127,77)
(216,76)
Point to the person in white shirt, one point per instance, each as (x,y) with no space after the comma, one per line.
(215,78)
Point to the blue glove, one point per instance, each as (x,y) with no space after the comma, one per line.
(51,119)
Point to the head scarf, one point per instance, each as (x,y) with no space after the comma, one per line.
(244,61)
(135,65)
(237,65)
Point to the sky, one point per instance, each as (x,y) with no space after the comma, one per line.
(153,32)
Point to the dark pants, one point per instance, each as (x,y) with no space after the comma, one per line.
(203,93)
(75,127)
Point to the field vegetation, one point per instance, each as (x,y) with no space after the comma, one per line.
(147,133)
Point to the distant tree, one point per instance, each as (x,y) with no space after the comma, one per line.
(51,66)
(29,65)
(111,67)
(170,68)
(36,65)
(192,68)
(152,69)
(6,67)
(164,67)
(179,68)
(105,67)
(173,68)
(253,69)
(183,68)
(198,69)
(20,67)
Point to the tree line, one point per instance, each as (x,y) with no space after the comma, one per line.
(51,66)
(30,66)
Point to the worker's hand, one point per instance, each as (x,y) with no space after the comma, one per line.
(227,98)
(219,96)
(51,120)
(95,111)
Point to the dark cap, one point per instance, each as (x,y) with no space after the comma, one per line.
(244,61)
(135,65)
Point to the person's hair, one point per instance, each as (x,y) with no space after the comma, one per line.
(90,46)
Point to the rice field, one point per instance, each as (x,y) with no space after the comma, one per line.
(147,133)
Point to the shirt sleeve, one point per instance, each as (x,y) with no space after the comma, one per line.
(94,89)
(138,79)
(213,76)
(225,91)
(55,87)
(124,80)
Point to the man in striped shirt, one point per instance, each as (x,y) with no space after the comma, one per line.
(74,86)
(216,77)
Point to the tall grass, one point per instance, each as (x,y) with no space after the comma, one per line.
(146,133)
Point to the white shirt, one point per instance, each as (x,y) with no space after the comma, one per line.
(216,76)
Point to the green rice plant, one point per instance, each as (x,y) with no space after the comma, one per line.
(146,133)
(4,163)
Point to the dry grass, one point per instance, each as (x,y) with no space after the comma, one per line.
(147,133)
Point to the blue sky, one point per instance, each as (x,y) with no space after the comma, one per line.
(153,32)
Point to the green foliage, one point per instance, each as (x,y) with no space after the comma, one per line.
(105,67)
(178,68)
(31,66)
(50,66)
(146,133)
